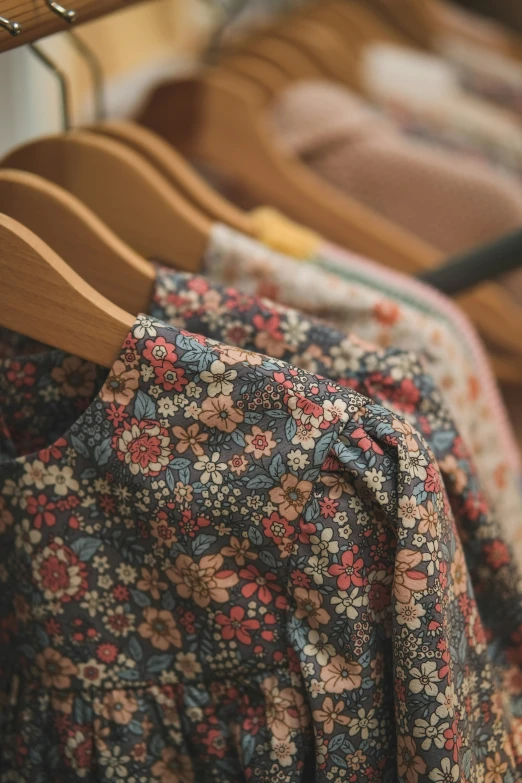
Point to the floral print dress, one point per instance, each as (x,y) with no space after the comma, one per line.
(216,566)
(322,289)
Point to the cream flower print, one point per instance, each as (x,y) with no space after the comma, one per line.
(34,474)
(335,410)
(325,543)
(297,460)
(374,479)
(415,462)
(146,327)
(446,773)
(283,751)
(318,647)
(363,724)
(349,603)
(429,520)
(212,469)
(409,511)
(306,436)
(61,479)
(219,379)
(425,679)
(459,572)
(121,384)
(27,537)
(447,700)
(317,568)
(430,731)
(410,615)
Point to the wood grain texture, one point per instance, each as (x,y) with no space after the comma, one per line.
(37,19)
(79,237)
(126,192)
(46,300)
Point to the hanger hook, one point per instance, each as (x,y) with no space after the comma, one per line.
(67,15)
(96,72)
(62,80)
(13,28)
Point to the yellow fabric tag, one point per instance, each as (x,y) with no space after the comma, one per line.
(278,232)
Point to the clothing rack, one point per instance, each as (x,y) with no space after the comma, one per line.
(27,21)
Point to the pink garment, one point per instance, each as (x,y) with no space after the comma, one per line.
(451,202)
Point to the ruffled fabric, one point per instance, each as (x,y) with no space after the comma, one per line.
(169,733)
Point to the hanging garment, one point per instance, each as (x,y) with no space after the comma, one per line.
(492,75)
(254,269)
(406,321)
(284,235)
(423,96)
(191,586)
(393,378)
(451,203)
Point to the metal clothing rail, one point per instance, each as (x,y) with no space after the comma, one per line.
(25,21)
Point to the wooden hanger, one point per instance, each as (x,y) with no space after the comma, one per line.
(266,77)
(325,49)
(270,64)
(307,51)
(44,299)
(174,168)
(270,47)
(79,237)
(360,23)
(411,19)
(216,120)
(124,190)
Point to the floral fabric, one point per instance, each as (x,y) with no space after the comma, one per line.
(323,289)
(226,568)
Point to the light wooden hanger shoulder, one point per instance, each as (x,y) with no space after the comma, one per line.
(79,237)
(44,299)
(124,190)
(274,48)
(309,43)
(270,47)
(266,77)
(168,162)
(324,48)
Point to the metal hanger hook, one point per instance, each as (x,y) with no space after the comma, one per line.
(62,81)
(96,73)
(13,28)
(68,15)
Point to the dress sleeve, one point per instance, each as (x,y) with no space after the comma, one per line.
(383,616)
